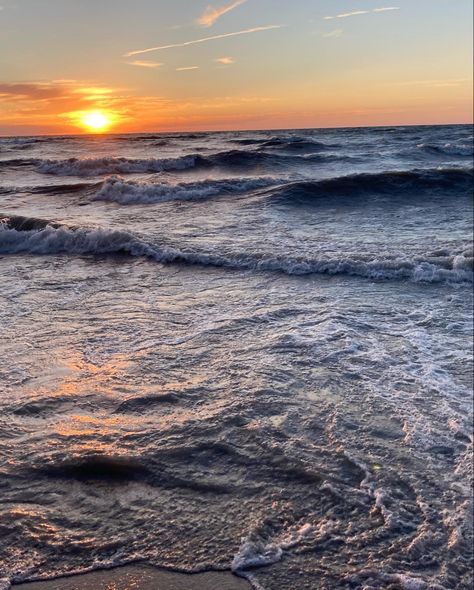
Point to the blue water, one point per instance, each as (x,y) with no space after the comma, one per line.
(246,351)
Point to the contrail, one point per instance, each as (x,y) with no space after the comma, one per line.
(186,43)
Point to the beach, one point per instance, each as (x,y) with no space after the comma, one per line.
(140,578)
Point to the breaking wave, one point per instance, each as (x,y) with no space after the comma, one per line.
(35,236)
(229,159)
(130,192)
(100,166)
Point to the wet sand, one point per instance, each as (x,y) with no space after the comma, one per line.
(141,578)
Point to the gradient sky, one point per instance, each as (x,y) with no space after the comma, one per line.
(274,63)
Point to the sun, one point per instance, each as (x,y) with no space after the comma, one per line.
(96,121)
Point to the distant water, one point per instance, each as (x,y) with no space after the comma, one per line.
(241,350)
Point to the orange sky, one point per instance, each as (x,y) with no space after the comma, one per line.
(242,64)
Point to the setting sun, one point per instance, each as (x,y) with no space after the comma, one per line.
(96,121)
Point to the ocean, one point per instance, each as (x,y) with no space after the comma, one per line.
(246,351)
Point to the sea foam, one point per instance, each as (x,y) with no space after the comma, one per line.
(129,192)
(34,236)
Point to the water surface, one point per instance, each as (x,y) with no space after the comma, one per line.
(246,351)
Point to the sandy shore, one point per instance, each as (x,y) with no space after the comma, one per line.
(141,578)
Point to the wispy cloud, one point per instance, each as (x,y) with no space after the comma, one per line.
(347,14)
(226,61)
(204,40)
(31,91)
(333,34)
(213,13)
(360,12)
(187,68)
(447,83)
(55,90)
(387,8)
(145,64)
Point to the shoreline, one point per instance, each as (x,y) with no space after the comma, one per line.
(139,577)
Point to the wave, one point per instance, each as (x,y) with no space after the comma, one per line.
(19,140)
(246,141)
(229,159)
(148,140)
(130,192)
(257,551)
(100,166)
(448,149)
(297,144)
(139,138)
(49,189)
(19,162)
(409,182)
(35,236)
(7,190)
(14,144)
(241,159)
(191,135)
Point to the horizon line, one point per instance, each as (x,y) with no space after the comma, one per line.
(246,130)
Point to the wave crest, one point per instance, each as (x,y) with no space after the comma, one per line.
(34,236)
(228,159)
(406,182)
(130,192)
(448,149)
(100,166)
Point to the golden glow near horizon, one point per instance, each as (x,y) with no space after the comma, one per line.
(96,121)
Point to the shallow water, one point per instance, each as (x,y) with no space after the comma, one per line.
(239,350)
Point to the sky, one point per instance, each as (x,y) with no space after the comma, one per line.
(173,65)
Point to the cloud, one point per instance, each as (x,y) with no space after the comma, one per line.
(333,34)
(56,106)
(37,102)
(447,83)
(204,40)
(55,90)
(33,91)
(145,64)
(94,92)
(359,12)
(187,68)
(226,61)
(387,8)
(213,13)
(347,14)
